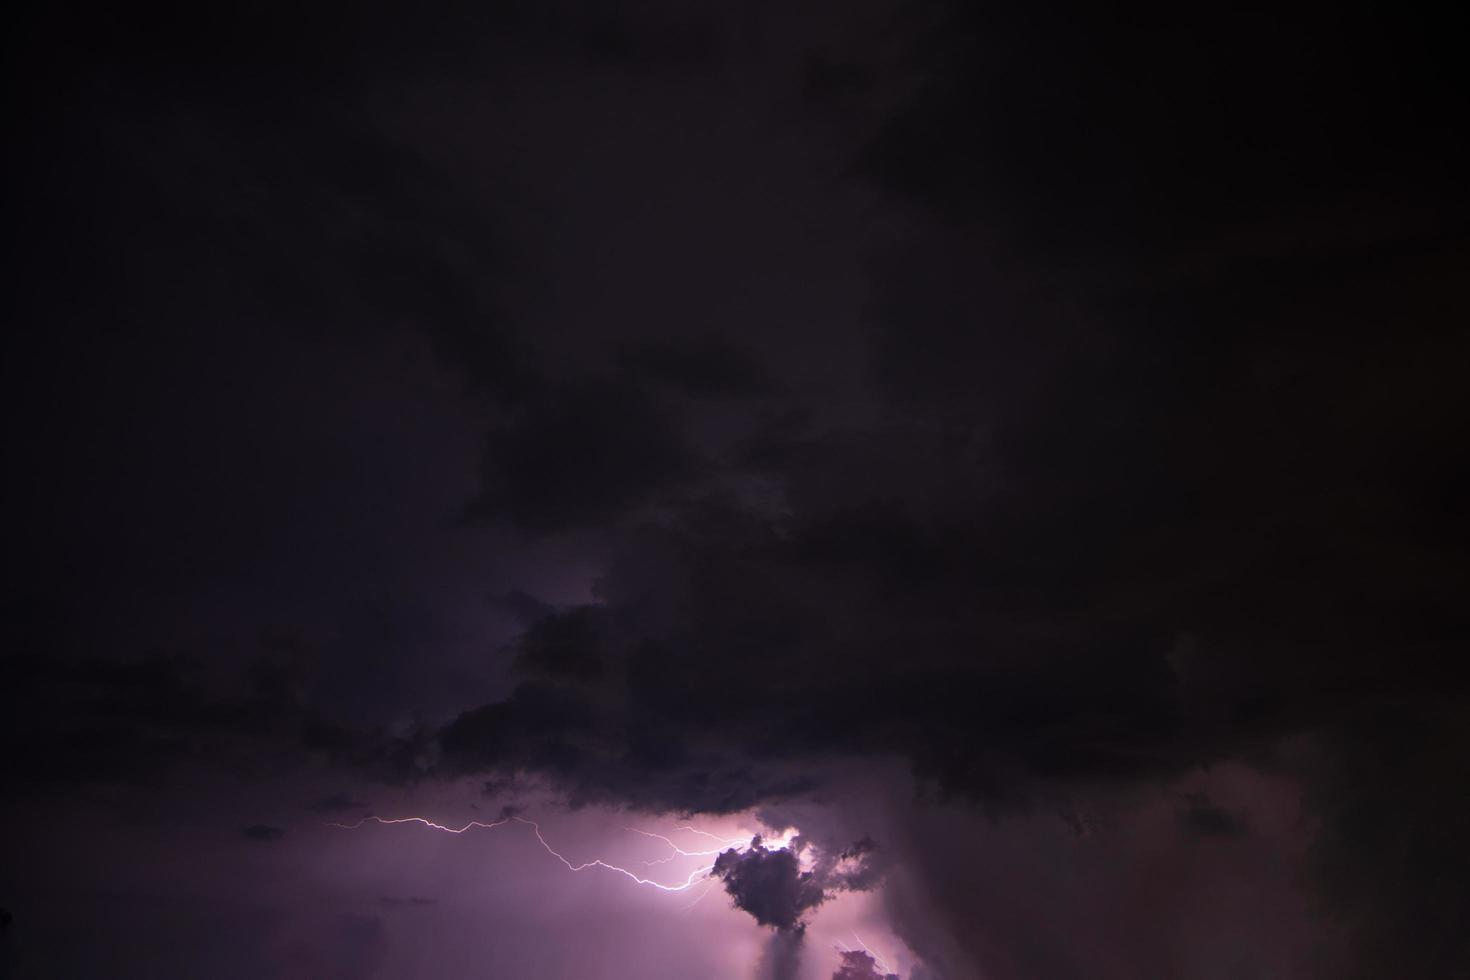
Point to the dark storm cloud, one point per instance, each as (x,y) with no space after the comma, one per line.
(1166,461)
(262,833)
(1075,138)
(1391,859)
(188,226)
(770,885)
(1230,406)
(857,868)
(203,237)
(140,720)
(597,752)
(563,644)
(1149,453)
(1231,419)
(704,367)
(584,454)
(773,887)
(742,665)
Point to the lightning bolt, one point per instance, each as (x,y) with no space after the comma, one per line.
(423,820)
(701,874)
(694,877)
(882,963)
(700,897)
(688,883)
(724,844)
(878,960)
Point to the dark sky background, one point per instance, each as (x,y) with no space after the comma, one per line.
(1022,449)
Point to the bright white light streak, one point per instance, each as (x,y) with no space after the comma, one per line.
(741,844)
(882,963)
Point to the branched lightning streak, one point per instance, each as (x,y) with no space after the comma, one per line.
(689,882)
(700,897)
(724,844)
(695,876)
(703,833)
(882,963)
(423,820)
(787,838)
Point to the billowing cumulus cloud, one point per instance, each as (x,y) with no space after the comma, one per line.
(779,885)
(770,884)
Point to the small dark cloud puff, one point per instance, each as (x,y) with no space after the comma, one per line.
(771,885)
(859,965)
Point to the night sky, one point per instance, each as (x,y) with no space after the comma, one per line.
(997,472)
